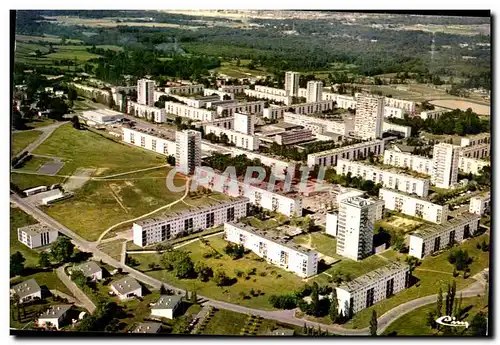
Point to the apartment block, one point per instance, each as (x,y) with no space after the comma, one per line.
(413,206)
(373,287)
(222,94)
(433,114)
(394,112)
(320,126)
(342,101)
(233,88)
(416,163)
(102,116)
(292,83)
(146,111)
(388,178)
(229,109)
(314,91)
(244,123)
(408,106)
(276,112)
(183,110)
(195,102)
(273,199)
(187,151)
(287,100)
(431,239)
(246,141)
(355,227)
(480,204)
(275,250)
(293,136)
(445,165)
(155,230)
(471,165)
(36,235)
(155,142)
(405,131)
(476,151)
(185,89)
(332,219)
(476,140)
(146,91)
(369,117)
(356,151)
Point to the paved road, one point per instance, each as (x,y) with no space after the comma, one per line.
(46,132)
(75,290)
(286,316)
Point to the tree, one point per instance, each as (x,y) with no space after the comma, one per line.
(16,264)
(78,277)
(43,260)
(76,122)
(194,297)
(203,271)
(315,299)
(220,278)
(62,249)
(72,95)
(333,312)
(171,160)
(439,303)
(479,325)
(373,324)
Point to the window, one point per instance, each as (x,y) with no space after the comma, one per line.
(143,141)
(132,138)
(389,288)
(230,214)
(437,244)
(369,297)
(153,144)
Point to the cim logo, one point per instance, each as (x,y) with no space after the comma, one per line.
(451,321)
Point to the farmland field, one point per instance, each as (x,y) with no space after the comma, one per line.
(480,109)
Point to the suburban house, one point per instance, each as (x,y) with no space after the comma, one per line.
(126,288)
(166,306)
(90,269)
(147,327)
(55,316)
(27,291)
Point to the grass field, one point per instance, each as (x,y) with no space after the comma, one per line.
(320,242)
(225,322)
(34,163)
(480,109)
(272,281)
(25,181)
(45,38)
(113,201)
(20,140)
(414,323)
(113,248)
(18,219)
(242,71)
(37,123)
(88,149)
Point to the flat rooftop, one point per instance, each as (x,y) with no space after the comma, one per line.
(170,136)
(347,147)
(373,276)
(391,169)
(36,229)
(459,220)
(273,237)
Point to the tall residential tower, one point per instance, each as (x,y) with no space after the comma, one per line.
(292,83)
(369,116)
(146,92)
(187,151)
(445,162)
(314,91)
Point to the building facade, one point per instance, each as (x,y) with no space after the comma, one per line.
(356,151)
(155,142)
(146,111)
(416,163)
(36,235)
(480,204)
(369,117)
(244,123)
(187,151)
(405,131)
(393,112)
(146,92)
(185,89)
(314,91)
(245,141)
(292,83)
(471,165)
(445,165)
(293,136)
(408,106)
(277,251)
(184,110)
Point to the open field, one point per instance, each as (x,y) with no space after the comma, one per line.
(113,201)
(232,70)
(18,219)
(428,281)
(225,322)
(113,248)
(415,322)
(268,278)
(37,123)
(89,149)
(400,223)
(45,38)
(25,181)
(110,22)
(20,140)
(320,242)
(480,109)
(34,163)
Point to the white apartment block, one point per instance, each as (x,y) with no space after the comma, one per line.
(246,141)
(393,127)
(195,102)
(292,83)
(244,123)
(287,100)
(187,151)
(247,107)
(434,238)
(183,110)
(476,151)
(36,235)
(146,111)
(476,140)
(287,203)
(155,230)
(388,178)
(332,219)
(416,163)
(471,165)
(369,117)
(293,136)
(408,106)
(221,94)
(233,88)
(342,101)
(433,114)
(320,126)
(445,165)
(413,206)
(373,287)
(275,250)
(480,204)
(314,91)
(102,116)
(393,112)
(154,142)
(270,90)
(275,112)
(185,89)
(302,92)
(146,92)
(356,151)
(355,228)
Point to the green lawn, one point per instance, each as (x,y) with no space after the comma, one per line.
(88,149)
(414,323)
(44,278)
(113,248)
(25,181)
(37,123)
(22,139)
(225,322)
(113,201)
(269,284)
(320,242)
(78,53)
(31,311)
(34,163)
(18,219)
